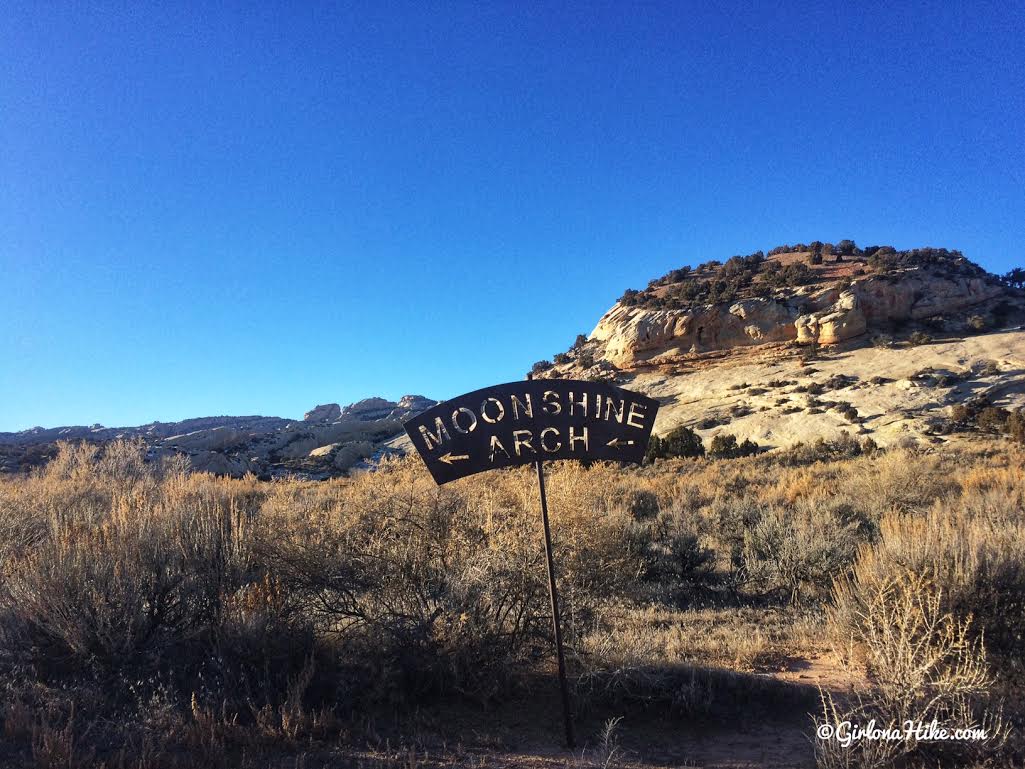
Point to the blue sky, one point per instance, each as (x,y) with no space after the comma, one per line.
(249,208)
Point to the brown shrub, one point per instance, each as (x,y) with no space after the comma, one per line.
(195,613)
(973,561)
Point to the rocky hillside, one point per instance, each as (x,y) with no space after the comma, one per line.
(328,441)
(813,340)
(800,296)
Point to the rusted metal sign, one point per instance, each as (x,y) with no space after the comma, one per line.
(525,422)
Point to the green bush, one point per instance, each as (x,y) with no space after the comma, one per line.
(674,557)
(992,419)
(846,248)
(1015,277)
(680,442)
(980,414)
(821,450)
(800,551)
(725,446)
(643,504)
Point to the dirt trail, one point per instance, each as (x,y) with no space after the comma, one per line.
(530,737)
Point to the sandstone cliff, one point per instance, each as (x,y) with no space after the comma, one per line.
(838,306)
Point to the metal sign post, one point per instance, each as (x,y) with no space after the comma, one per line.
(567,713)
(525,423)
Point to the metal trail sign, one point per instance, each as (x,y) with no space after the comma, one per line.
(522,422)
(526,423)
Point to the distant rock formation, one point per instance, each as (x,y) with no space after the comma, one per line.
(378,408)
(410,405)
(327,442)
(327,412)
(369,408)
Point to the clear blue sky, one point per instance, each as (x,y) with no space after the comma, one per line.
(249,208)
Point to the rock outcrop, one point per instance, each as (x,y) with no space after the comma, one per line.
(369,408)
(410,405)
(844,319)
(880,301)
(328,412)
(631,335)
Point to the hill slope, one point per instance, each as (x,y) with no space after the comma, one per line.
(807,343)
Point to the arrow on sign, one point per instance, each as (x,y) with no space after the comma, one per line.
(448,457)
(617,442)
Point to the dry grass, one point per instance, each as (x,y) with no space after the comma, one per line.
(149,615)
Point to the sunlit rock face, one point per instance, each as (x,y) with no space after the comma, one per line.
(328,412)
(631,335)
